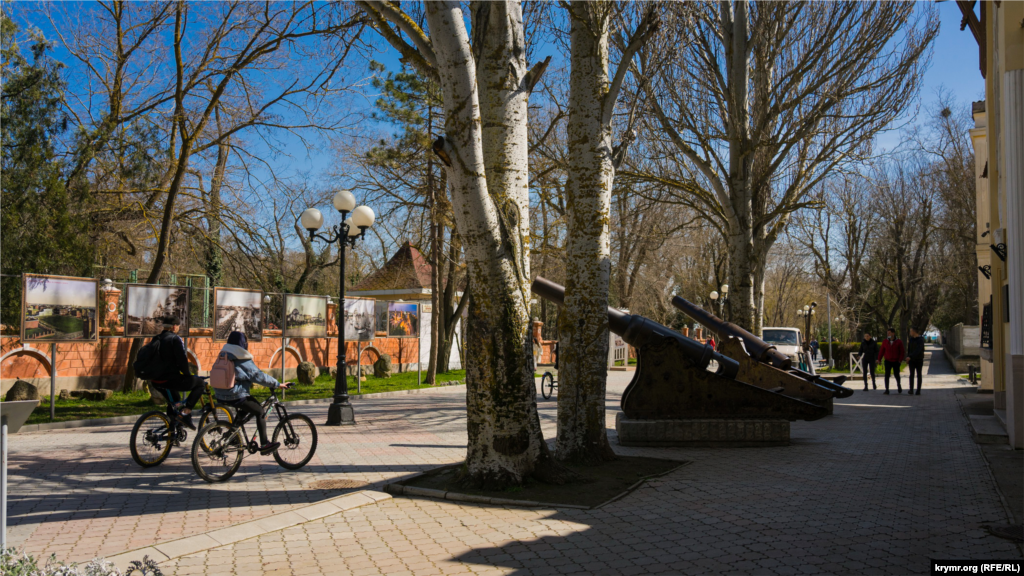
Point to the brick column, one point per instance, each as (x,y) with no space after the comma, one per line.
(111,298)
(332,323)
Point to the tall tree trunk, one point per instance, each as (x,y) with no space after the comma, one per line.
(450,312)
(487,176)
(583,330)
(742,290)
(435,255)
(214,259)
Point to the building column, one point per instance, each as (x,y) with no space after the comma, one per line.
(1013,98)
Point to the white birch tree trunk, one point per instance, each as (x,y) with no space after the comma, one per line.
(583,331)
(486,172)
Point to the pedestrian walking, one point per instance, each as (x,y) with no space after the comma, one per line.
(893,353)
(915,359)
(868,359)
(814,349)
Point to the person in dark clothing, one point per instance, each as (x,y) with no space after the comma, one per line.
(180,378)
(893,353)
(869,358)
(814,349)
(915,359)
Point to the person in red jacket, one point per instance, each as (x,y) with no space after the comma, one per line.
(892,352)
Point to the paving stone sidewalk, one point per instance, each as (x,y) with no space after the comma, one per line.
(880,487)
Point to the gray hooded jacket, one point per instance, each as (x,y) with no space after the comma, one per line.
(246,373)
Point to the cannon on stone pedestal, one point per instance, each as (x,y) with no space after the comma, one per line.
(761,364)
(672,380)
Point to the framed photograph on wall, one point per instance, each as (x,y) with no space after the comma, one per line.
(305,316)
(146,304)
(59,309)
(360,319)
(380,308)
(403,320)
(237,309)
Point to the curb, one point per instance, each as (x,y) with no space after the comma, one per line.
(254,528)
(401,490)
(398,489)
(115,420)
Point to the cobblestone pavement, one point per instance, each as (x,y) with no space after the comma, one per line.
(880,487)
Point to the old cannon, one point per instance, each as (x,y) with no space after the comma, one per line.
(761,364)
(672,380)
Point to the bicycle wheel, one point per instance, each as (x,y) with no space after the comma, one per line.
(219,414)
(298,438)
(547,385)
(224,454)
(151,439)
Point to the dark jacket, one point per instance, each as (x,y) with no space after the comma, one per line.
(892,350)
(869,349)
(915,349)
(172,353)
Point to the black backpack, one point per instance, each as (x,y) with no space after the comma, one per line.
(149,363)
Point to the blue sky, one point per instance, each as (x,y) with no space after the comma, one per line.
(954,60)
(954,67)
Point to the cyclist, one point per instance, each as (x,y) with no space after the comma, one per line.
(247,374)
(178,376)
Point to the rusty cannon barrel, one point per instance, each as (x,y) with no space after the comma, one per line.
(757,348)
(636,329)
(763,351)
(672,380)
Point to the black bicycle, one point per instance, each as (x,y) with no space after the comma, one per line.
(219,447)
(155,432)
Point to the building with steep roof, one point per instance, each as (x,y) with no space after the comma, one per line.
(406,276)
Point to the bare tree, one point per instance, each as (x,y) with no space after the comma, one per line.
(904,289)
(485,85)
(583,330)
(219,63)
(764,101)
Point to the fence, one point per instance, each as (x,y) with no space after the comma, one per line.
(102,364)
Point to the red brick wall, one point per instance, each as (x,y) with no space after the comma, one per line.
(109,356)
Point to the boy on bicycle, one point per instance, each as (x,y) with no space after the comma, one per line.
(246,374)
(176,376)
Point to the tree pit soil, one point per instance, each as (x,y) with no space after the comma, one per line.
(599,484)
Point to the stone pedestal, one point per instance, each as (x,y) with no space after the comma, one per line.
(701,432)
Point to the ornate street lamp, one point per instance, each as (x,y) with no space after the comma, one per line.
(721,303)
(351,229)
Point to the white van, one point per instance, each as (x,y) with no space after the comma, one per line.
(786,340)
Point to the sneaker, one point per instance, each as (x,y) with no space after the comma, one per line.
(186,419)
(874,387)
(269,448)
(886,392)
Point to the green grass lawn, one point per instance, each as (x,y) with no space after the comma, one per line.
(124,404)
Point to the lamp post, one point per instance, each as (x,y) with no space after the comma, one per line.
(345,234)
(721,303)
(806,312)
